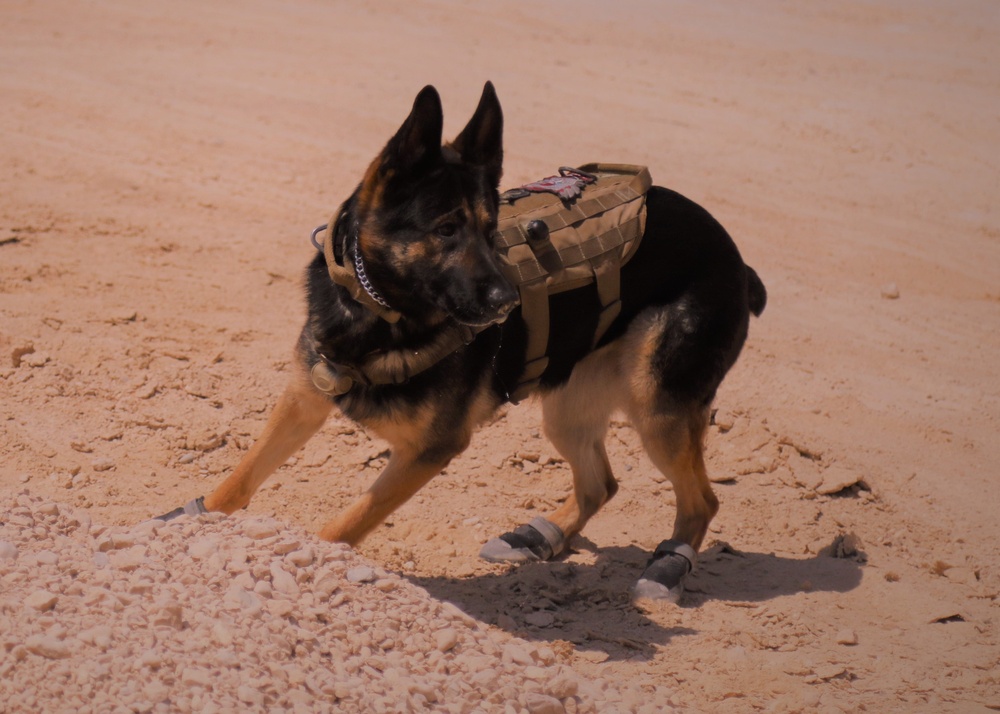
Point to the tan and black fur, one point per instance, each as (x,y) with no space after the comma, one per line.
(423,219)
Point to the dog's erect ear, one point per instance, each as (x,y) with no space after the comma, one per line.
(419,138)
(481,141)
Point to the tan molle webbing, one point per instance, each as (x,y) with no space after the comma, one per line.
(588,241)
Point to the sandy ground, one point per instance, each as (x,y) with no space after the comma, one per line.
(163,164)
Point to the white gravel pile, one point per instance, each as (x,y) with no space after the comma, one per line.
(243,614)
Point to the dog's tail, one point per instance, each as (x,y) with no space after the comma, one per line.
(756,292)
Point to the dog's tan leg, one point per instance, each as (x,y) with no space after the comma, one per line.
(674,442)
(576,424)
(404,475)
(299,414)
(576,417)
(675,445)
(423,441)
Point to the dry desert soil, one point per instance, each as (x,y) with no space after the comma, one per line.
(161,167)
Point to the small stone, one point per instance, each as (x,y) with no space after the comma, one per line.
(326,587)
(835,479)
(593,656)
(123,539)
(8,551)
(203,548)
(196,677)
(286,546)
(41,600)
(187,458)
(210,442)
(249,695)
(283,581)
(829,671)
(99,636)
(724,420)
(562,686)
(514,654)
(130,559)
(890,291)
(542,704)
(103,464)
(446,639)
(360,574)
(156,691)
(538,674)
(540,619)
(258,530)
(961,575)
(302,558)
(171,614)
(18,353)
(35,359)
(847,637)
(280,608)
(222,634)
(47,646)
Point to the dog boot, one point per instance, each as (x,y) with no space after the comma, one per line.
(191,508)
(538,540)
(663,578)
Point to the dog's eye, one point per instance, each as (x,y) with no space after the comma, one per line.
(446,230)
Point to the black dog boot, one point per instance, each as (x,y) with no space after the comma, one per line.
(663,578)
(191,508)
(538,540)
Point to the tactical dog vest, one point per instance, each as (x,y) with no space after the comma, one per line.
(565,232)
(557,234)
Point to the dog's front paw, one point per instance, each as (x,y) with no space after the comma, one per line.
(195,507)
(663,578)
(538,540)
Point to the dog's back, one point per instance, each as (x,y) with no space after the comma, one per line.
(688,268)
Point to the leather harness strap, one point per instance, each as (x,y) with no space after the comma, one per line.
(344,275)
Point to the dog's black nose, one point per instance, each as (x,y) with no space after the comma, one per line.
(502,298)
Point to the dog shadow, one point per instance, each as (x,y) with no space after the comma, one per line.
(590,605)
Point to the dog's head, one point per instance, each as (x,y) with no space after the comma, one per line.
(426,216)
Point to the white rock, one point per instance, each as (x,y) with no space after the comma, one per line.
(193,677)
(130,559)
(446,639)
(100,636)
(47,646)
(283,581)
(41,600)
(542,704)
(302,558)
(203,548)
(286,546)
(563,685)
(222,634)
(847,637)
(360,574)
(515,654)
(890,291)
(258,530)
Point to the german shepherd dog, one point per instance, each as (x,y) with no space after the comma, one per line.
(419,233)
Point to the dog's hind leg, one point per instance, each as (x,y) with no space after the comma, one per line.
(674,442)
(576,418)
(299,414)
